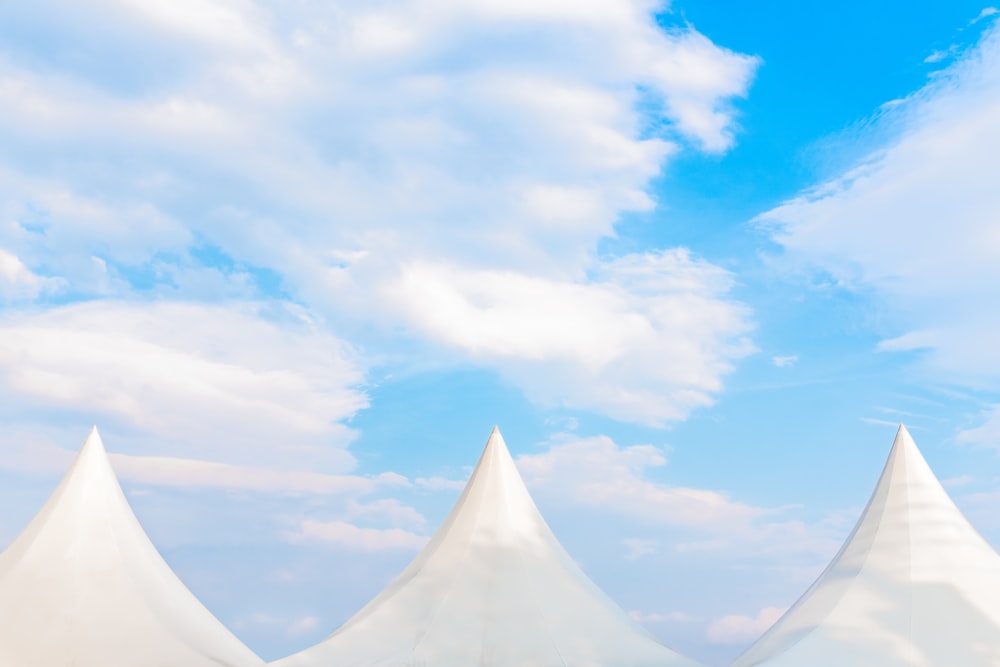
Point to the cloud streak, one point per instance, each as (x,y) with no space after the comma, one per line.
(740,629)
(344,535)
(218,380)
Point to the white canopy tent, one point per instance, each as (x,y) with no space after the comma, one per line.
(83,586)
(493,587)
(913,585)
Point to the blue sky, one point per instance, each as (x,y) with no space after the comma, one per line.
(295,260)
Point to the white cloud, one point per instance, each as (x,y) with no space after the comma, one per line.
(960,480)
(648,339)
(389,510)
(221,22)
(303,626)
(215,380)
(18,282)
(439,483)
(739,629)
(656,618)
(165,471)
(38,457)
(916,222)
(290,627)
(939,55)
(985,434)
(344,535)
(596,472)
(986,13)
(784,361)
(636,548)
(353,148)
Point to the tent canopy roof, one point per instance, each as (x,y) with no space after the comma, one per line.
(913,585)
(83,585)
(493,587)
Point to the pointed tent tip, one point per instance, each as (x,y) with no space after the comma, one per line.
(496,444)
(93,441)
(93,436)
(903,439)
(496,438)
(904,448)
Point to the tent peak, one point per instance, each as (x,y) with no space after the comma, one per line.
(904,450)
(82,584)
(903,437)
(914,584)
(93,441)
(492,587)
(495,440)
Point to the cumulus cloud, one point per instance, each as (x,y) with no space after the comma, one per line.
(739,629)
(597,472)
(648,339)
(336,155)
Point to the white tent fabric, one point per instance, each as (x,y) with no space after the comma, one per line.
(493,587)
(913,585)
(83,586)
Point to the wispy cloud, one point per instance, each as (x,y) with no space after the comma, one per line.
(344,535)
(176,472)
(290,627)
(599,474)
(636,548)
(785,361)
(986,13)
(959,481)
(656,618)
(739,629)
(914,222)
(439,483)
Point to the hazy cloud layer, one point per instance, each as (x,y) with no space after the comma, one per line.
(347,536)
(742,629)
(233,382)
(607,478)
